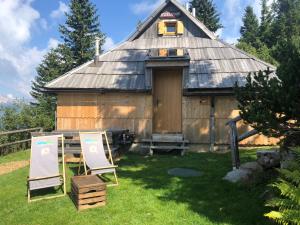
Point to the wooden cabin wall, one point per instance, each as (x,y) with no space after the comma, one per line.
(225,109)
(195,121)
(78,111)
(190,29)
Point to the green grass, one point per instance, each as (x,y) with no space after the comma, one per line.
(146,195)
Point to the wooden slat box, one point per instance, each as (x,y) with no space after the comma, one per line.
(88,191)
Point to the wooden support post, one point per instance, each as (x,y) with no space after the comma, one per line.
(212,124)
(234,145)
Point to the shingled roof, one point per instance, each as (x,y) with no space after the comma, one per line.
(213,63)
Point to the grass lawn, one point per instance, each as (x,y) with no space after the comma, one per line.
(146,195)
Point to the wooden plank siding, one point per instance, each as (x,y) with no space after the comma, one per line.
(190,29)
(78,111)
(196,113)
(225,109)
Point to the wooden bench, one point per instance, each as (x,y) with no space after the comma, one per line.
(166,143)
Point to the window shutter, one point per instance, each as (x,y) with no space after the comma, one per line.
(180,52)
(180,27)
(161,27)
(163,52)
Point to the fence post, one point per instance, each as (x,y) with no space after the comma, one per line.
(234,145)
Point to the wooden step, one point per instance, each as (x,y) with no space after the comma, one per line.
(165,147)
(164,141)
(167,137)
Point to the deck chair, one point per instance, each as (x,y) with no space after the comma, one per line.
(93,155)
(44,165)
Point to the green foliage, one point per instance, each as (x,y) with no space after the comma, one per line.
(272,104)
(287,204)
(262,52)
(206,12)
(81,28)
(250,29)
(265,27)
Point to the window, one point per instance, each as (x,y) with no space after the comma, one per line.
(170,28)
(172,52)
(173,27)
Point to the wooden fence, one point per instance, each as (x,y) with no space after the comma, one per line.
(15,140)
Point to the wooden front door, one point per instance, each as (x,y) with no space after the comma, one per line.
(167,97)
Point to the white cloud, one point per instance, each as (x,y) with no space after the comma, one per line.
(17,59)
(6,98)
(231,40)
(60,11)
(145,6)
(44,23)
(53,43)
(108,44)
(219,32)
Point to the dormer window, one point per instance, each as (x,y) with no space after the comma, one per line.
(170,27)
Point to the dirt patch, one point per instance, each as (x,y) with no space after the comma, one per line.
(12,166)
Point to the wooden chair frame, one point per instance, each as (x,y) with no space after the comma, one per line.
(62,176)
(82,160)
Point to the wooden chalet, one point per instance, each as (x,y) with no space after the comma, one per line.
(172,75)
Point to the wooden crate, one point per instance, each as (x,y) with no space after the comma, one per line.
(88,192)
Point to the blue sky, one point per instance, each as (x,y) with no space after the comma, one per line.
(29,28)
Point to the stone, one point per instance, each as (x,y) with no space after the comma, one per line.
(238,175)
(268,158)
(184,172)
(286,158)
(253,166)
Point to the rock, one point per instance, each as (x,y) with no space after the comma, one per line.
(253,166)
(268,158)
(286,158)
(238,175)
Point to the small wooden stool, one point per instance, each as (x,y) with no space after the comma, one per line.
(88,192)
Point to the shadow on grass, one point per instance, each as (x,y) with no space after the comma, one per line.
(207,195)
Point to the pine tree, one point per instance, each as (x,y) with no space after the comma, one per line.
(55,63)
(272,104)
(265,24)
(250,29)
(81,28)
(206,12)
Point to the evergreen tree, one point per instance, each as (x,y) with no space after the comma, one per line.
(265,24)
(272,104)
(81,28)
(250,29)
(55,63)
(206,12)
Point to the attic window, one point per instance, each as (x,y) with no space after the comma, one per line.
(170,27)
